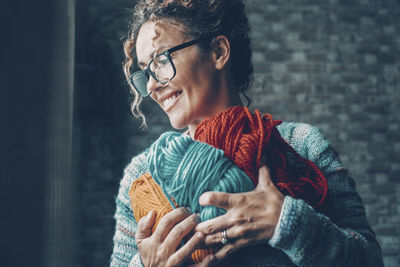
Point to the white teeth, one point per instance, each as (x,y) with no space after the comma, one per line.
(169,101)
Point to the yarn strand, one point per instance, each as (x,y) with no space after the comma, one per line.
(252,137)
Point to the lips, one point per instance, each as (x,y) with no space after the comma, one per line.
(167,101)
(170,99)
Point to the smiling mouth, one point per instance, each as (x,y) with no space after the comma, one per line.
(170,101)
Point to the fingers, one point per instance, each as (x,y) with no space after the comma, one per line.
(180,230)
(214,225)
(217,199)
(216,238)
(186,250)
(213,229)
(168,222)
(264,178)
(145,226)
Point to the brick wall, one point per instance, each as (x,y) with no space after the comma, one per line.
(334,64)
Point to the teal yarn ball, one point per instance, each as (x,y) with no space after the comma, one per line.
(185,169)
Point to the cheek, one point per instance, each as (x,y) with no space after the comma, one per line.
(195,79)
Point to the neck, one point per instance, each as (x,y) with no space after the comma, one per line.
(233,100)
(228,96)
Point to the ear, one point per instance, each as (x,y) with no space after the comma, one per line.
(221,50)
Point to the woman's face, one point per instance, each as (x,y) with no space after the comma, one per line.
(195,92)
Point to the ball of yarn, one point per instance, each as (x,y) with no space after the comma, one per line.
(246,138)
(185,169)
(146,195)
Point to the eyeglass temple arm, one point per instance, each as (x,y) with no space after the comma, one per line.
(184,45)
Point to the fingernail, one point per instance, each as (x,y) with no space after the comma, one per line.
(149,215)
(263,168)
(203,198)
(200,235)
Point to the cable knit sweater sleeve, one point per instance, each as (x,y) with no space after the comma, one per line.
(125,253)
(338,234)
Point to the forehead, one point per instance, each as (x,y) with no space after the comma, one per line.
(152,38)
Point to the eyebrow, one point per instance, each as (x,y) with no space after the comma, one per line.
(162,49)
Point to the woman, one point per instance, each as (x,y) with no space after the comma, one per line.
(195,60)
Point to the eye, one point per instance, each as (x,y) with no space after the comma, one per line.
(162,60)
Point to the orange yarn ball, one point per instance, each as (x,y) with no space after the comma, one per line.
(146,195)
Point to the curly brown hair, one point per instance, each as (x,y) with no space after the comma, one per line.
(199,18)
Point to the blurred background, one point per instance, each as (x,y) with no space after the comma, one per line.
(66,131)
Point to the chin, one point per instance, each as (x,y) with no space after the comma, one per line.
(177,124)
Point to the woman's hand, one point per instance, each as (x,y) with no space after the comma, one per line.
(251,217)
(161,247)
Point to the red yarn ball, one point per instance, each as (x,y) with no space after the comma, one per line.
(246,138)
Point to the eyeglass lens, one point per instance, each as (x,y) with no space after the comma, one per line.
(160,68)
(139,80)
(163,68)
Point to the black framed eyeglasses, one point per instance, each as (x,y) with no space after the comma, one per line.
(161,68)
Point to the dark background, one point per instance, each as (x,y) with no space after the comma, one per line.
(66,131)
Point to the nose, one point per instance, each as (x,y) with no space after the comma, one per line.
(152,85)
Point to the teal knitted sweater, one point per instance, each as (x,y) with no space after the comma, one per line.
(337,234)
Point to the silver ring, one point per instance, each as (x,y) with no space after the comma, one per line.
(224,240)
